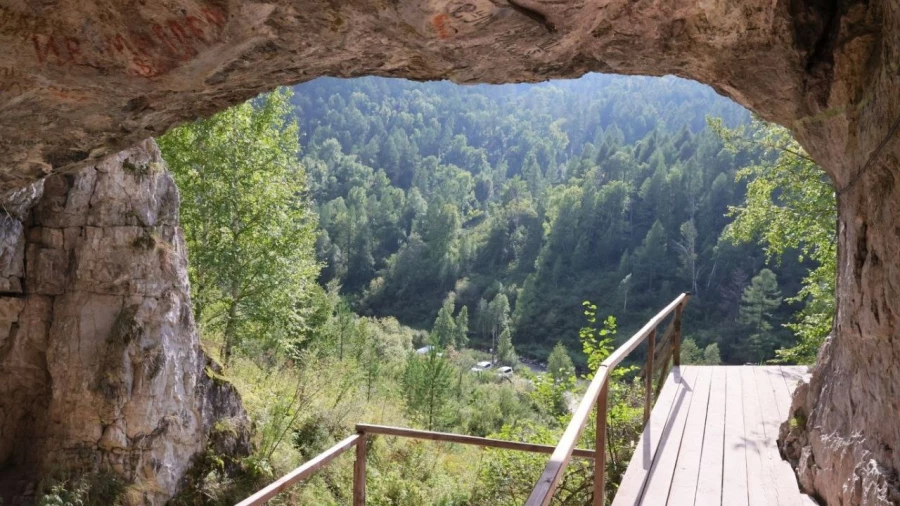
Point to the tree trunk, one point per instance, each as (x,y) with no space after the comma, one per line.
(229,334)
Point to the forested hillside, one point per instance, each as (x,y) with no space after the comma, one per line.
(610,189)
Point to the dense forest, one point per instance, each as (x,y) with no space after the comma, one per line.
(607,188)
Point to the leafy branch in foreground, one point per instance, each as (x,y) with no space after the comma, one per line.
(790,206)
(247,221)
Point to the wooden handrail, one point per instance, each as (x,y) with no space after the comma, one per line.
(301,472)
(359,468)
(466,440)
(553,472)
(560,455)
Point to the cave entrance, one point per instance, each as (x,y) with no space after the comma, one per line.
(87,80)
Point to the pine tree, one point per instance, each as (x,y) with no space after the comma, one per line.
(651,256)
(559,364)
(687,252)
(344,327)
(758,302)
(370,356)
(711,355)
(444,331)
(427,383)
(506,353)
(484,318)
(690,352)
(462,328)
(499,311)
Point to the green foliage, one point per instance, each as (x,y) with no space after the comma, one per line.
(551,394)
(693,355)
(86,489)
(506,478)
(789,207)
(597,343)
(461,338)
(506,353)
(444,332)
(758,303)
(559,364)
(247,222)
(427,381)
(498,311)
(711,355)
(371,356)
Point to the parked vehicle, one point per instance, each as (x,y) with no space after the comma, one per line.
(482,366)
(504,372)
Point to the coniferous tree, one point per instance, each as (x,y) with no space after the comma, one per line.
(506,352)
(462,328)
(789,206)
(444,332)
(427,381)
(711,355)
(370,356)
(499,311)
(559,364)
(758,303)
(651,256)
(687,252)
(484,318)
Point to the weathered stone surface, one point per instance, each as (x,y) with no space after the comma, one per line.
(83,79)
(100,358)
(222,412)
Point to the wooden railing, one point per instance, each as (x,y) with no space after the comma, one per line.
(597,393)
(358,440)
(658,357)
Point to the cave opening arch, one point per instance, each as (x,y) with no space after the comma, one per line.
(85,81)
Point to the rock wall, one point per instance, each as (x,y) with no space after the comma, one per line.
(80,80)
(98,349)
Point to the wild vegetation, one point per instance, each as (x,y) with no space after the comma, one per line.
(357,247)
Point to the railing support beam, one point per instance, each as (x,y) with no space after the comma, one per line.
(676,337)
(299,474)
(600,447)
(648,378)
(359,472)
(546,485)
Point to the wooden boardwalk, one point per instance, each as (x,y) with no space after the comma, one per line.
(711,439)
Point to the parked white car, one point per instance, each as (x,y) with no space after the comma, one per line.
(482,366)
(504,372)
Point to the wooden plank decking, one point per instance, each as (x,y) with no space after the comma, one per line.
(711,438)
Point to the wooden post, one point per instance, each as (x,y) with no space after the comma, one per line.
(663,371)
(648,378)
(676,337)
(359,473)
(600,447)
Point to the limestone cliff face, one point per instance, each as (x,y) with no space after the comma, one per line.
(98,348)
(81,80)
